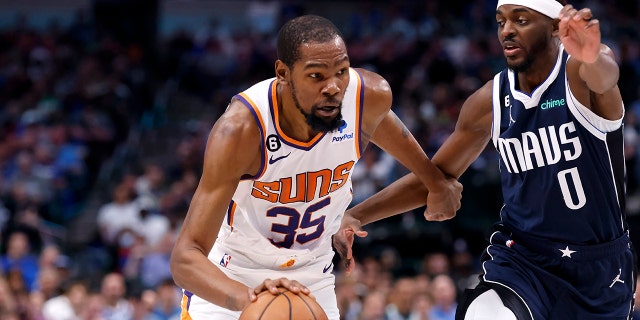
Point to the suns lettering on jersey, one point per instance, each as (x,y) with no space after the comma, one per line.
(304,187)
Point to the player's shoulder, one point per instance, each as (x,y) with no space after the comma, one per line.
(486,91)
(377,92)
(373,81)
(483,95)
(237,122)
(257,90)
(483,98)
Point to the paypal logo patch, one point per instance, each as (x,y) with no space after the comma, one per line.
(343,124)
(343,137)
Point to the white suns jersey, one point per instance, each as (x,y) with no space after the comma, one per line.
(287,213)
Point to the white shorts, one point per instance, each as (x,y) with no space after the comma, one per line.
(315,273)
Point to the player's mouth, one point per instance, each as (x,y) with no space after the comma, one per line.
(511,48)
(328,111)
(328,108)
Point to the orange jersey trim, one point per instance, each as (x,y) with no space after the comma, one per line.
(359,107)
(231,212)
(184,305)
(258,116)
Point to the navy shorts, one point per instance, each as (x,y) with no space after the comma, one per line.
(564,281)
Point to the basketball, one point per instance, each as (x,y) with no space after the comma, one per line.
(286,305)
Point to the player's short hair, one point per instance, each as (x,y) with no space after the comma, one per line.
(300,30)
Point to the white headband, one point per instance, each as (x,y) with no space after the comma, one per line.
(550,8)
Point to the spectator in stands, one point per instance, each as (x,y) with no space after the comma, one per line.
(422,307)
(401,300)
(373,307)
(119,214)
(443,291)
(167,305)
(20,258)
(70,305)
(8,302)
(113,290)
(48,282)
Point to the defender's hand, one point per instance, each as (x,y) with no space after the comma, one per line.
(580,33)
(443,203)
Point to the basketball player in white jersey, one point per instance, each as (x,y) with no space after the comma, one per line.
(277,177)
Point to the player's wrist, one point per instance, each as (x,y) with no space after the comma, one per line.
(592,61)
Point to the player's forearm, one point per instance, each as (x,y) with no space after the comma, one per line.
(193,272)
(602,74)
(394,138)
(405,194)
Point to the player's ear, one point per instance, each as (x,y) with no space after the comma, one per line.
(555,27)
(282,71)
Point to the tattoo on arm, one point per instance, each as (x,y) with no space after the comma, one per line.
(399,123)
(405,132)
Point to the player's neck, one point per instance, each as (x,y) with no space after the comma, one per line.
(539,70)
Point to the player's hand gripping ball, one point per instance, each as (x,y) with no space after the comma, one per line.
(286,305)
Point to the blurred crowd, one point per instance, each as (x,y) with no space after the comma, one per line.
(101,143)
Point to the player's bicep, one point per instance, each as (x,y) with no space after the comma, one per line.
(471,135)
(378,99)
(232,151)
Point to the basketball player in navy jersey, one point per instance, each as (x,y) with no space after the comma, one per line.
(561,249)
(277,177)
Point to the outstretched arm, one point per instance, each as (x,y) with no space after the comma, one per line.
(593,71)
(470,137)
(580,35)
(443,200)
(462,147)
(381,125)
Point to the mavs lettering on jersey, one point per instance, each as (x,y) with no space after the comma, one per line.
(543,147)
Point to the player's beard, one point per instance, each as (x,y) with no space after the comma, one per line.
(315,122)
(539,47)
(522,66)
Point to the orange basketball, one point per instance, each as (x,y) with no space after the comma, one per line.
(286,305)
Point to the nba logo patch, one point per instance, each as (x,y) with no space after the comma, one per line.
(225,260)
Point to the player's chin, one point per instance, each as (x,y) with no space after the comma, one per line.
(327,119)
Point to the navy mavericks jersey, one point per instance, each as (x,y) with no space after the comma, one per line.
(562,166)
